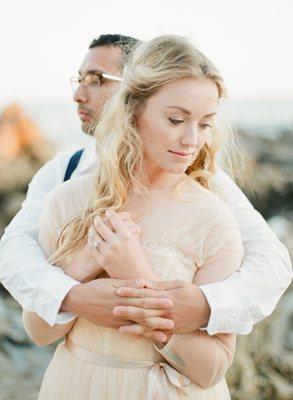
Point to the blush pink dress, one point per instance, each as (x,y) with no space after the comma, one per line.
(191,236)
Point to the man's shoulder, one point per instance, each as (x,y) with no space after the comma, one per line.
(71,197)
(56,166)
(62,158)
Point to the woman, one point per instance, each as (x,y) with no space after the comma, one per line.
(157,145)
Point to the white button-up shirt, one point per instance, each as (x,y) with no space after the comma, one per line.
(237,302)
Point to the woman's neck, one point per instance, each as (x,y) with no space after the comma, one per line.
(165,182)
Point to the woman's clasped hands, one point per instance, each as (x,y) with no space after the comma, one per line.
(117,248)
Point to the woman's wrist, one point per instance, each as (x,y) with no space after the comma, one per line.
(80,275)
(83,267)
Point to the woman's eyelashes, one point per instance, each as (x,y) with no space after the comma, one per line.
(176,121)
(205,126)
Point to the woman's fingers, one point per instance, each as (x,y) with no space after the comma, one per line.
(102,229)
(93,236)
(134,229)
(125,217)
(116,223)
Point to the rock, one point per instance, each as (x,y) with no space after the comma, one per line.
(23,149)
(4,322)
(263,365)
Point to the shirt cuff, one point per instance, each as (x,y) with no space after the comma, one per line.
(51,293)
(226,310)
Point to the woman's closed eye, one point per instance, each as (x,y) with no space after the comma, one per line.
(205,126)
(176,121)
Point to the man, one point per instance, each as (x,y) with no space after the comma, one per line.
(230,306)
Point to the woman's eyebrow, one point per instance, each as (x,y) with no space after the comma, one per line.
(210,115)
(180,108)
(188,112)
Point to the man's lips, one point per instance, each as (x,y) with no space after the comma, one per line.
(84,116)
(181,153)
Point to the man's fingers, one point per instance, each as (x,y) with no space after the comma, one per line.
(142,331)
(136,313)
(134,292)
(159,323)
(158,335)
(164,285)
(132,283)
(150,318)
(145,302)
(134,329)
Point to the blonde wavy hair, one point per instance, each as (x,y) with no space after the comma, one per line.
(153,64)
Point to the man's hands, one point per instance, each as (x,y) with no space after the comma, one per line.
(95,301)
(190,309)
(142,308)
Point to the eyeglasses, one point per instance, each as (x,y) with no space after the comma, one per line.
(92,81)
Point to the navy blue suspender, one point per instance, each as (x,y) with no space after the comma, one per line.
(73,163)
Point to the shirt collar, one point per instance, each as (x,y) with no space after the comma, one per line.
(89,158)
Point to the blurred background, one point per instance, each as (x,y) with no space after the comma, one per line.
(42,46)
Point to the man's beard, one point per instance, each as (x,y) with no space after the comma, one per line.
(89,127)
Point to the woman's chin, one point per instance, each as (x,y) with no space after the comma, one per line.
(177,169)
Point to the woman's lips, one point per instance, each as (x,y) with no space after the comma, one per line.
(180,153)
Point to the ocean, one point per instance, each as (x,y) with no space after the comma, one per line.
(60,123)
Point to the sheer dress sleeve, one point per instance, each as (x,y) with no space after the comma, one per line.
(205,359)
(59,208)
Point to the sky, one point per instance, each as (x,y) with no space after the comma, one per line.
(44,42)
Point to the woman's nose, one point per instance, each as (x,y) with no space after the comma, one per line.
(190,137)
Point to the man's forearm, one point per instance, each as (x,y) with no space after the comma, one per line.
(71,300)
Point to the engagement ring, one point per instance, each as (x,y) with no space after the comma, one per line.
(97,243)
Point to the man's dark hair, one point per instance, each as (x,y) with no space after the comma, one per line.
(126,43)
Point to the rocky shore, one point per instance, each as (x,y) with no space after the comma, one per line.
(263,366)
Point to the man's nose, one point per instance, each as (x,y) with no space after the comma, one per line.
(80,95)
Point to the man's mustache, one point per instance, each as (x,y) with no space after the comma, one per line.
(87,110)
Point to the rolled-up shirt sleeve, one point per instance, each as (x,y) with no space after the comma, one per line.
(24,269)
(251,293)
